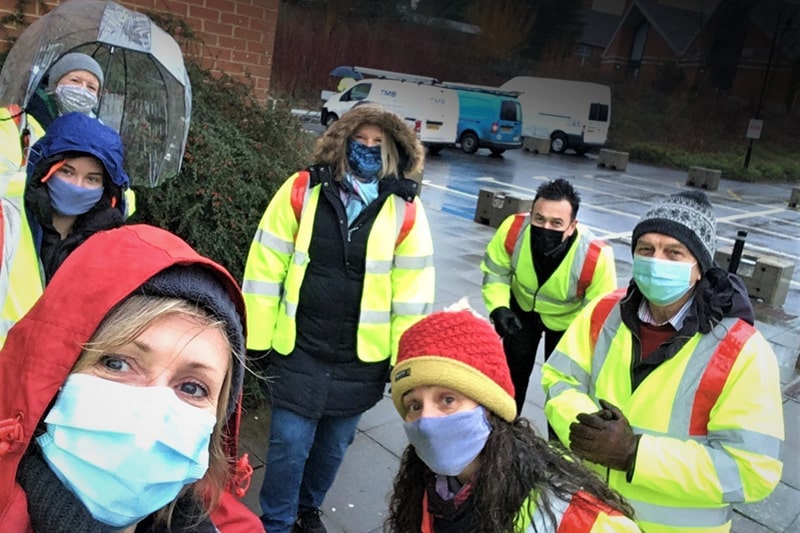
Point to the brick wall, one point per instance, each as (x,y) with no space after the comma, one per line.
(236,36)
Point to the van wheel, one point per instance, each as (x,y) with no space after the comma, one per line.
(331,119)
(558,142)
(469,143)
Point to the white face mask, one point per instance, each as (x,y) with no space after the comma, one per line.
(124,451)
(75,98)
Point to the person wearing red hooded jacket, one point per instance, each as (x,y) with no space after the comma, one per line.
(120,398)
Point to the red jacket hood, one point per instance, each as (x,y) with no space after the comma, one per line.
(44,345)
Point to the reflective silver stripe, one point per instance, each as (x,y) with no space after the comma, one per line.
(607,333)
(518,243)
(749,441)
(584,240)
(681,516)
(261,288)
(570,299)
(491,278)
(496,269)
(291,309)
(728,475)
(413,263)
(399,215)
(558,389)
(374,317)
(273,242)
(5,325)
(692,375)
(376,266)
(412,308)
(299,257)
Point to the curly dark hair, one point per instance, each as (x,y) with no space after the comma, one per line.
(514,463)
(557,190)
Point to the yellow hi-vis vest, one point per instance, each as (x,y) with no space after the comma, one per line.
(586,272)
(21,276)
(18,132)
(398,281)
(710,417)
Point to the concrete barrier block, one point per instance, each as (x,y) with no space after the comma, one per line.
(612,159)
(766,277)
(539,145)
(495,206)
(704,178)
(794,199)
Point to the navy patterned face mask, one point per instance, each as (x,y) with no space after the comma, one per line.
(364,161)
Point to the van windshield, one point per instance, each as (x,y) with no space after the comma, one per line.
(358,92)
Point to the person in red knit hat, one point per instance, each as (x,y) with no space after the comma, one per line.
(471,463)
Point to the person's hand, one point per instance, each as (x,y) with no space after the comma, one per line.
(505,321)
(604,437)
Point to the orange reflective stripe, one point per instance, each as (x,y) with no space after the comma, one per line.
(427,519)
(299,192)
(600,313)
(409,217)
(589,265)
(513,232)
(582,513)
(716,374)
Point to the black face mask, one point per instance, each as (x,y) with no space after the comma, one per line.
(545,242)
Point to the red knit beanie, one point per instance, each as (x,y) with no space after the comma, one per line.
(458,350)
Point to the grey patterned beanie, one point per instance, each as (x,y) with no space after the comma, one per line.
(71,62)
(687,217)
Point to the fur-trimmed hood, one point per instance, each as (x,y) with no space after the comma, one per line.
(331,148)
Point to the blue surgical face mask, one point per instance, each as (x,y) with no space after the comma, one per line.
(75,98)
(662,282)
(448,444)
(365,161)
(124,451)
(70,199)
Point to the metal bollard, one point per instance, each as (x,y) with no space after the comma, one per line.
(736,254)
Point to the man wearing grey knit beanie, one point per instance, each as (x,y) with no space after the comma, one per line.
(666,387)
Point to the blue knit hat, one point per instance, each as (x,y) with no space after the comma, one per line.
(201,287)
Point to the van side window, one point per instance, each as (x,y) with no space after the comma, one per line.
(598,112)
(357,92)
(508,110)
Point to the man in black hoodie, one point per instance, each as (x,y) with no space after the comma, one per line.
(666,388)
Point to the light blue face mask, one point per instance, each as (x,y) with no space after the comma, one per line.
(69,199)
(448,444)
(662,282)
(124,451)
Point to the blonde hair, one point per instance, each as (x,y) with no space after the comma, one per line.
(123,325)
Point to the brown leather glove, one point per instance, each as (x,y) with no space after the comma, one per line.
(604,437)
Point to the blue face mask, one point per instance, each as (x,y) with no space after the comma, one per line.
(124,451)
(662,282)
(69,199)
(364,161)
(448,444)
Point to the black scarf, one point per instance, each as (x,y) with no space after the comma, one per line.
(54,509)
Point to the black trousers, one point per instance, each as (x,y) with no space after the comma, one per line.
(520,349)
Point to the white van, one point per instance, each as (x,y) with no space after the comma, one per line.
(572,114)
(431,110)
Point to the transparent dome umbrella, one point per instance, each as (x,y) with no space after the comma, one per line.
(146,97)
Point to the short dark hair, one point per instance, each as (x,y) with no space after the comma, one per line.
(559,189)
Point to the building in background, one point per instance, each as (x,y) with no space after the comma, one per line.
(235,37)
